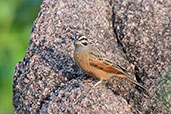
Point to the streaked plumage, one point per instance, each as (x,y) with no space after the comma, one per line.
(94,62)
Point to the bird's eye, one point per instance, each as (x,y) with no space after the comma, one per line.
(84,43)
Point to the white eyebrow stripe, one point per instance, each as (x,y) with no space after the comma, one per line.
(83,38)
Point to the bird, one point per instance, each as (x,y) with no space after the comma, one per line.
(94,62)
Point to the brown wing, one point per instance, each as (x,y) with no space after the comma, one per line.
(98,60)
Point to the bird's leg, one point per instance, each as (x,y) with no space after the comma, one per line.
(88,80)
(97,83)
(84,74)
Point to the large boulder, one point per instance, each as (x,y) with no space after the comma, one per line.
(133,34)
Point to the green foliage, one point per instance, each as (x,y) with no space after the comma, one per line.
(164,93)
(16,20)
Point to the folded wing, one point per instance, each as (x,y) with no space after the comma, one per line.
(98,60)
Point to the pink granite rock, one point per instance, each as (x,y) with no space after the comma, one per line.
(133,34)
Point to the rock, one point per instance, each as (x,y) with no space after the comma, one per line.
(143,32)
(133,34)
(77,97)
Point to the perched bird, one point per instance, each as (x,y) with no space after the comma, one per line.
(95,63)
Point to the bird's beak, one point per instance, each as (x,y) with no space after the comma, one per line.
(77,42)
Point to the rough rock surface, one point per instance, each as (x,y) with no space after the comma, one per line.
(143,31)
(78,97)
(133,34)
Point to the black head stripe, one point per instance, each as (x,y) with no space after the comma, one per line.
(84,43)
(83,40)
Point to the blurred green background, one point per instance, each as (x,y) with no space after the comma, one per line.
(16,20)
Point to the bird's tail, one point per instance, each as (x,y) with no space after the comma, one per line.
(135,82)
(131,80)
